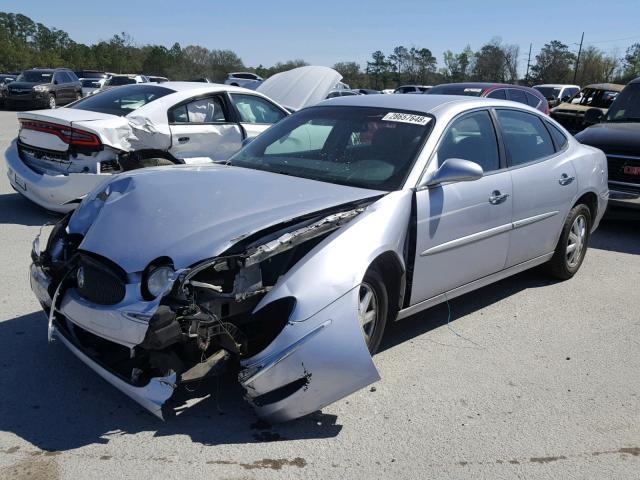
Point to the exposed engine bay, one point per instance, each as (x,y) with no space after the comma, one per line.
(204,321)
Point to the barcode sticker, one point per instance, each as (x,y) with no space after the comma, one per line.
(406,118)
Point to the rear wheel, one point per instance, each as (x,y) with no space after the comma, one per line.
(52,101)
(572,245)
(373,309)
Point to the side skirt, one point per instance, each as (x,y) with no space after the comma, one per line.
(469,287)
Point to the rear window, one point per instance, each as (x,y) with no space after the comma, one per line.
(532,99)
(122,101)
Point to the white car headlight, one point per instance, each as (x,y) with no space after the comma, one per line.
(41,88)
(159,280)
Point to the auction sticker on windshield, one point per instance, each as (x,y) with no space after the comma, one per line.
(406,118)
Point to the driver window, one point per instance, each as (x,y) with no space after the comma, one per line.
(471,137)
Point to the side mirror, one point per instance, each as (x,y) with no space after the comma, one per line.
(454,170)
(593,116)
(55,82)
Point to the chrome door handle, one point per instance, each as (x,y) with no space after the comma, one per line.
(183,139)
(565,179)
(496,197)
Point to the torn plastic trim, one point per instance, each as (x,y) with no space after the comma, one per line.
(152,396)
(254,371)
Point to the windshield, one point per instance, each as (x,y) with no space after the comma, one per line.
(594,97)
(549,92)
(626,108)
(356,146)
(122,101)
(33,76)
(453,89)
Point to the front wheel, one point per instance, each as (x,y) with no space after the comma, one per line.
(373,309)
(52,101)
(572,246)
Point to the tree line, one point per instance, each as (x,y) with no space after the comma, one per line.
(26,44)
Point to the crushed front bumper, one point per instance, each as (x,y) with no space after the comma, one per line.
(58,193)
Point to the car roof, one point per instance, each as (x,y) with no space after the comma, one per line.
(418,103)
(206,87)
(606,86)
(635,80)
(556,85)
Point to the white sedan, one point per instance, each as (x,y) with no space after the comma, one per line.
(61,155)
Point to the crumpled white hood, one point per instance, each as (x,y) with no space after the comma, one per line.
(300,87)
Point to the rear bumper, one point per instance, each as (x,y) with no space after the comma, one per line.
(58,193)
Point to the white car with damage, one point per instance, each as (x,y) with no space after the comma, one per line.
(61,155)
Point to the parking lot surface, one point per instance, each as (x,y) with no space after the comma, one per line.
(530,378)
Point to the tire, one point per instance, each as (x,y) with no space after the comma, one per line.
(52,101)
(572,245)
(373,329)
(78,96)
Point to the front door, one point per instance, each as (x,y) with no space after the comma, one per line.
(463,227)
(201,130)
(256,113)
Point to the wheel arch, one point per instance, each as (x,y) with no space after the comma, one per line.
(393,273)
(590,199)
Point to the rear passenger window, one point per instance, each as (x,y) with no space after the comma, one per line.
(532,100)
(517,96)
(471,137)
(525,137)
(204,110)
(558,137)
(500,93)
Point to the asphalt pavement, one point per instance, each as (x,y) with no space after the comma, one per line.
(526,378)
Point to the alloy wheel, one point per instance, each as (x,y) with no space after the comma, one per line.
(576,241)
(52,102)
(368,311)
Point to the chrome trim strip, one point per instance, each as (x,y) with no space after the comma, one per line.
(469,287)
(625,184)
(474,237)
(483,235)
(536,218)
(627,157)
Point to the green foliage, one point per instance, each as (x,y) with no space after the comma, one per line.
(554,64)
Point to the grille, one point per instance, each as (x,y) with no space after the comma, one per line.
(99,283)
(616,168)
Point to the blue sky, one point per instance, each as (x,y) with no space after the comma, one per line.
(328,31)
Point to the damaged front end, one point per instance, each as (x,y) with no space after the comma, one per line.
(151,332)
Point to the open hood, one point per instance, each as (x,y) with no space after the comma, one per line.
(194,213)
(300,87)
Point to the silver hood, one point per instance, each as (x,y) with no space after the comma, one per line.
(193,213)
(300,87)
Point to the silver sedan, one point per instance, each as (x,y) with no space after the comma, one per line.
(288,261)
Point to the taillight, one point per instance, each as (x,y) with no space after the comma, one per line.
(69,135)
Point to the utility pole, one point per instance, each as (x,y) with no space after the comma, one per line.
(578,59)
(526,76)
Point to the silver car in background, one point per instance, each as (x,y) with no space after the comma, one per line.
(291,258)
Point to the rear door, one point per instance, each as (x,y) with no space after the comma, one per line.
(202,130)
(544,183)
(256,114)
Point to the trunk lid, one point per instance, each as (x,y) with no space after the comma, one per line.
(67,117)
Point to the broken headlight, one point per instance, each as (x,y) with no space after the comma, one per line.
(159,280)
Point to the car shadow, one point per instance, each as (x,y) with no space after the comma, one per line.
(15,209)
(55,402)
(439,315)
(618,233)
